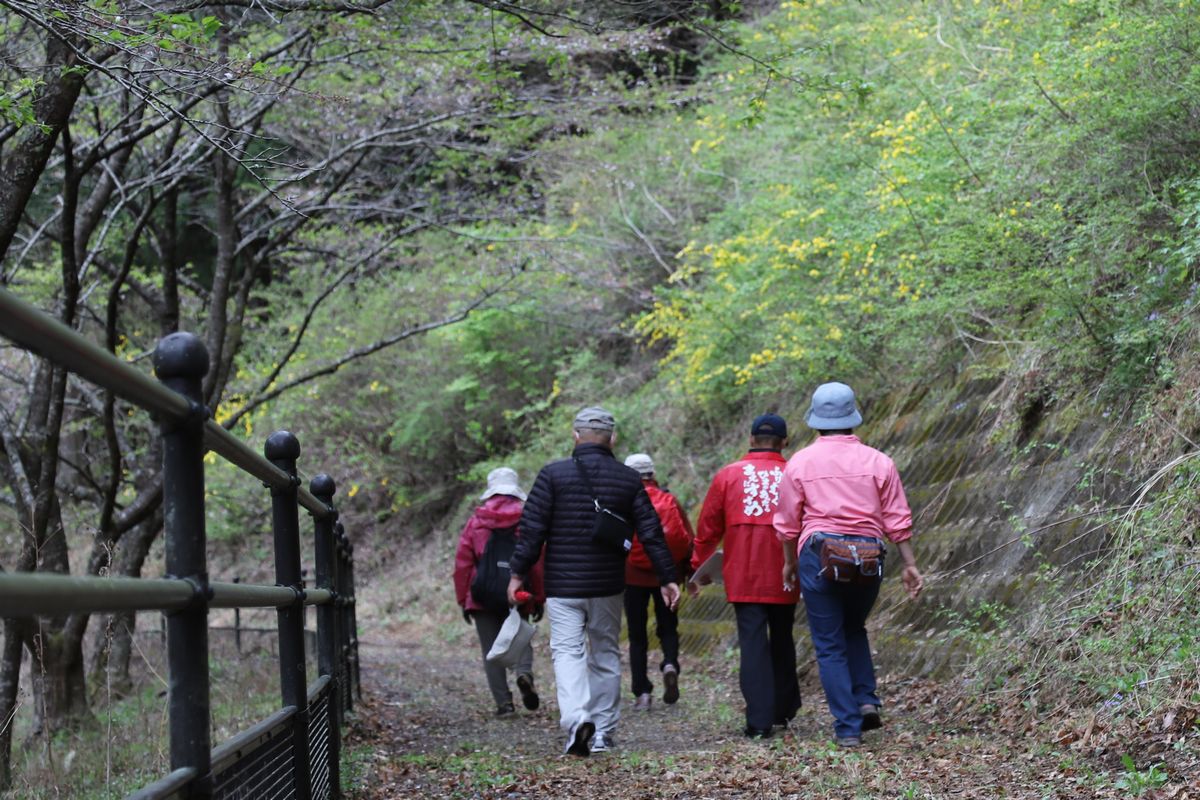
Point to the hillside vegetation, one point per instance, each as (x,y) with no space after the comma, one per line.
(871,191)
(423,237)
(882,193)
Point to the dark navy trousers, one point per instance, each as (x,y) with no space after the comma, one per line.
(767,672)
(637,599)
(837,616)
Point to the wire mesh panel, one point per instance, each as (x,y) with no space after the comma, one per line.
(706,622)
(261,771)
(318,742)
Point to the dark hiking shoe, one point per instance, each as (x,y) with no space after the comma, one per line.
(849,741)
(577,742)
(528,696)
(756,733)
(505,710)
(871,720)
(670,684)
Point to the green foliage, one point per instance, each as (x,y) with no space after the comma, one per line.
(1122,640)
(1137,782)
(16,102)
(1036,184)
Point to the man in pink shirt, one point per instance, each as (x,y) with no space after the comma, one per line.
(838,494)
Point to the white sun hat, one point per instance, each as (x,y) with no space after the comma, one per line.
(503,481)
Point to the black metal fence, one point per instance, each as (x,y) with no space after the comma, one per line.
(294,753)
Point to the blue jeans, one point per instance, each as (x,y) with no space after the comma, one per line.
(837,616)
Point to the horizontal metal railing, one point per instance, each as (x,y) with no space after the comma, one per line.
(40,333)
(37,594)
(172,786)
(272,758)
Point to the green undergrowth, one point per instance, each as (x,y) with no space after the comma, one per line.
(125,744)
(1110,664)
(871,191)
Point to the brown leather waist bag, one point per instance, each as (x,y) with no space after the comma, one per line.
(852,560)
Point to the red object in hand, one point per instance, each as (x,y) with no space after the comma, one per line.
(522,596)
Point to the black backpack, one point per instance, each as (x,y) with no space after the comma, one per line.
(490,586)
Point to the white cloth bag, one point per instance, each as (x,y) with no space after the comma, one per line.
(515,634)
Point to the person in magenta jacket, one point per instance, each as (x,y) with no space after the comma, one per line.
(739,509)
(840,492)
(503,502)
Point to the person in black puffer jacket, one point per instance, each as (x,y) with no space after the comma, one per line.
(584,579)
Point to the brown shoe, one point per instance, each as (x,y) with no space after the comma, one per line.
(643,702)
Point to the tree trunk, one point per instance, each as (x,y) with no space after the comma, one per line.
(10,683)
(23,167)
(114,638)
(59,685)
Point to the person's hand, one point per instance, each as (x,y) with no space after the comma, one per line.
(789,576)
(913,581)
(670,594)
(467,617)
(514,586)
(536,616)
(693,588)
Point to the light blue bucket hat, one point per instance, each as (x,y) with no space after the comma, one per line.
(833,408)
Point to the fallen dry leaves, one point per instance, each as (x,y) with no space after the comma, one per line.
(425,730)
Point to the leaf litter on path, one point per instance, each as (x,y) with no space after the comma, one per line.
(425,729)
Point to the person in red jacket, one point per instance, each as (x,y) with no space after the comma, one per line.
(503,502)
(739,509)
(642,584)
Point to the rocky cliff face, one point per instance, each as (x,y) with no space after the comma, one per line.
(1005,490)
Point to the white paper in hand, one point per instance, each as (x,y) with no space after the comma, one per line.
(515,634)
(710,570)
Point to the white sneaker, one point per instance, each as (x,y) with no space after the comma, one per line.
(602,742)
(643,701)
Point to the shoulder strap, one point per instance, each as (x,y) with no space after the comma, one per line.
(586,480)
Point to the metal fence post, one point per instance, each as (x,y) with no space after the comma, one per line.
(237,621)
(325,554)
(345,598)
(350,587)
(180,362)
(282,450)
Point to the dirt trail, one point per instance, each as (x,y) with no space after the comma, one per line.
(425,729)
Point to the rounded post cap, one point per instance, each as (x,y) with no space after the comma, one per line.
(282,446)
(322,486)
(180,355)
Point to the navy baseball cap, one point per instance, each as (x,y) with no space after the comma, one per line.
(769,425)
